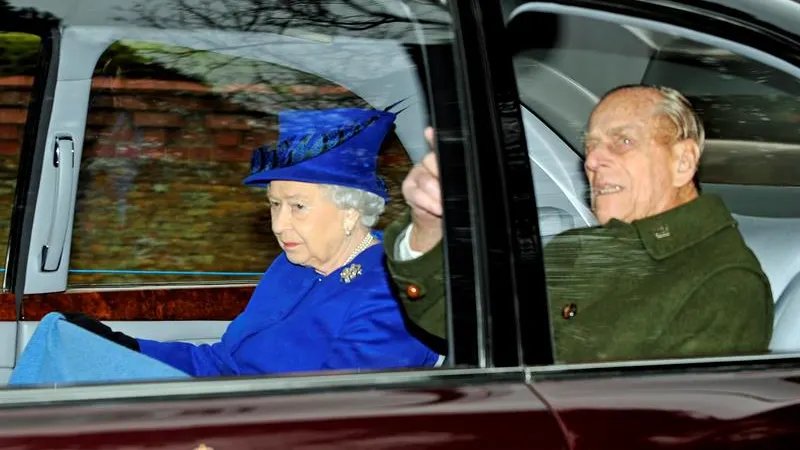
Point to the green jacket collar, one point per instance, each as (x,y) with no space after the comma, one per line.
(670,232)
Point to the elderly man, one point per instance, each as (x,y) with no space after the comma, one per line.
(667,274)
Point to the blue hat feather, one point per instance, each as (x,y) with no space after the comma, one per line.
(334,146)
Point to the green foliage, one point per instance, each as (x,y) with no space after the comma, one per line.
(121,60)
(19,53)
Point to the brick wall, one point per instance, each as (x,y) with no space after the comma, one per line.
(160,180)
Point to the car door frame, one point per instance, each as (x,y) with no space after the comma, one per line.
(512,286)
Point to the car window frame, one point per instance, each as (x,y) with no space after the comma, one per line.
(31,159)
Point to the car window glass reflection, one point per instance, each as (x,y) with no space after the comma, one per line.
(235,181)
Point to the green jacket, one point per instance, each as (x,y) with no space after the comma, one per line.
(679,284)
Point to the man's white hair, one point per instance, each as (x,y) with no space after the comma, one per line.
(369,205)
(677,108)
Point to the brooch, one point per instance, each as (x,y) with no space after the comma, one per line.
(350,272)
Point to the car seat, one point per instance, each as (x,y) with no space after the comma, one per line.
(776,243)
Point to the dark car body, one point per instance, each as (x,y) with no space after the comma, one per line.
(500,388)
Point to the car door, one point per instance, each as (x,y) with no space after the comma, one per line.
(444,409)
(743,76)
(478,400)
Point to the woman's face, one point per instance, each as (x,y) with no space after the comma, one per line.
(309,226)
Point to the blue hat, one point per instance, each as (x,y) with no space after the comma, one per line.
(334,146)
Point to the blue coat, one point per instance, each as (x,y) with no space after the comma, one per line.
(298,320)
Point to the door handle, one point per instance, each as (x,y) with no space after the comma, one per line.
(64,163)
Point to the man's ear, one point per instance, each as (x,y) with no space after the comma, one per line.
(686,157)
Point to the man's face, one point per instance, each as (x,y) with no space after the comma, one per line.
(630,161)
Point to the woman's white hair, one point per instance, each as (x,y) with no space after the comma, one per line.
(369,205)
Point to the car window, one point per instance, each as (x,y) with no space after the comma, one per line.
(636,278)
(169,134)
(170,248)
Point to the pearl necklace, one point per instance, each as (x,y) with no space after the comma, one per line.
(366,242)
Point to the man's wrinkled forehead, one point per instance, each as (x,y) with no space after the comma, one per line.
(627,107)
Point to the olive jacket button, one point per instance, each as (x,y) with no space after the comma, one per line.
(569,311)
(413,291)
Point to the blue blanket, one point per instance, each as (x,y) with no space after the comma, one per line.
(62,353)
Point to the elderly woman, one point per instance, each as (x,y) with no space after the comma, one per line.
(325,302)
